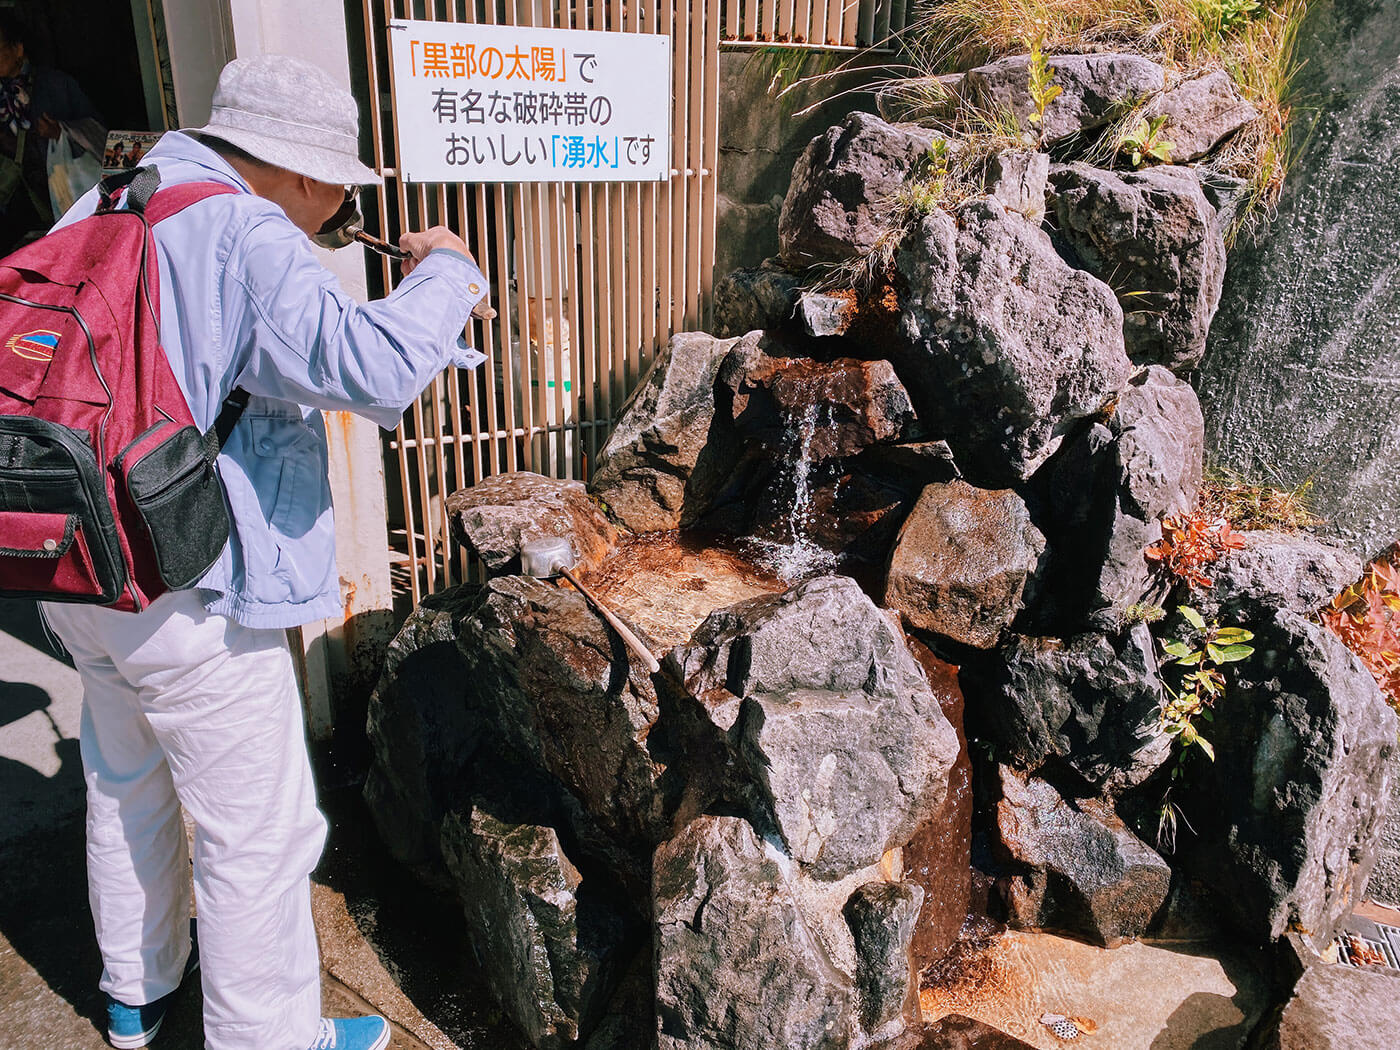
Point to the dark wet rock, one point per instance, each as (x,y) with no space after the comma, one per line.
(1338,1008)
(1097,89)
(846,405)
(421,728)
(828,729)
(852,514)
(629,1020)
(1154,238)
(495,516)
(956,1032)
(763,298)
(1279,570)
(1079,867)
(1019,180)
(881,916)
(961,562)
(737,966)
(835,205)
(1201,113)
(1101,501)
(938,859)
(1003,345)
(1088,705)
(1288,817)
(655,469)
(917,463)
(825,315)
(547,950)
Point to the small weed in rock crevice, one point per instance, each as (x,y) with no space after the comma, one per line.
(1253,504)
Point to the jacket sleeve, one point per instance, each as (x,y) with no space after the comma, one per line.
(299,337)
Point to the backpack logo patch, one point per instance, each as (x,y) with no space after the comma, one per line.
(34,346)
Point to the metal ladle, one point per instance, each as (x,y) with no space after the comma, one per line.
(552,556)
(347,226)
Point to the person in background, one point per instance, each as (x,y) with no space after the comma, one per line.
(36,104)
(193,702)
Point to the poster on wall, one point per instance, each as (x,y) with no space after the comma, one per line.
(478,103)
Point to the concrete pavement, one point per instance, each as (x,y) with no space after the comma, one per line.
(387,945)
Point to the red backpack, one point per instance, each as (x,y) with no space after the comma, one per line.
(108,493)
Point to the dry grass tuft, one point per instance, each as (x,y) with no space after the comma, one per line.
(1247,504)
(1255,41)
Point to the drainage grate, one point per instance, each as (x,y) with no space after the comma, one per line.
(1364,952)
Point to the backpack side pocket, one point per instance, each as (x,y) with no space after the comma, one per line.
(176,491)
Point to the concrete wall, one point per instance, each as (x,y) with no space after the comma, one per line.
(1302,376)
(761,137)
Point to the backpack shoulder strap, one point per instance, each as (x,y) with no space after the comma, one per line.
(174,199)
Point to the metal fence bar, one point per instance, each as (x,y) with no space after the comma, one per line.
(590,280)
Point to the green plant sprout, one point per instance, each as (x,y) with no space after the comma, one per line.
(1208,648)
(1145,140)
(1043,89)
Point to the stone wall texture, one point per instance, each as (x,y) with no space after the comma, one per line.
(1302,374)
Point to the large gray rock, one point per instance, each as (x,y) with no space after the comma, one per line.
(1200,114)
(737,965)
(882,917)
(1298,382)
(1279,570)
(1101,501)
(961,562)
(1088,705)
(1002,344)
(654,469)
(825,728)
(1079,868)
(497,515)
(836,205)
(1288,816)
(762,298)
(1097,89)
(1019,181)
(548,951)
(1155,239)
(1338,1008)
(516,692)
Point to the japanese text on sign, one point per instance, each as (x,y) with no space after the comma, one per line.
(477,103)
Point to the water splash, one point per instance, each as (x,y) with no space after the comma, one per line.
(795,555)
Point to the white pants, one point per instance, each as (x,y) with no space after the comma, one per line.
(182,706)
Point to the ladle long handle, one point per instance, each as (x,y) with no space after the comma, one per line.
(633,642)
(482,311)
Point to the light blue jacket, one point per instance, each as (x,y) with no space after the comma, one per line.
(245,303)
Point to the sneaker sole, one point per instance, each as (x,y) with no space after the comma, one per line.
(383,1040)
(134,1042)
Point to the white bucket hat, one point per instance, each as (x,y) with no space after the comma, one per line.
(290,114)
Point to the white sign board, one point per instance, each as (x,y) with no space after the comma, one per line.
(477,103)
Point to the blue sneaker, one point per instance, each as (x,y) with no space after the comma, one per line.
(129,1027)
(352,1033)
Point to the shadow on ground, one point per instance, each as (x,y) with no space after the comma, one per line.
(417,932)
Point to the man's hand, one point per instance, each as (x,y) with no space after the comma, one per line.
(418,245)
(48,127)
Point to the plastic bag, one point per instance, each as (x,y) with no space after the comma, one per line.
(71,172)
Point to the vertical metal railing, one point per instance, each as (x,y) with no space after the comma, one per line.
(814,23)
(590,280)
